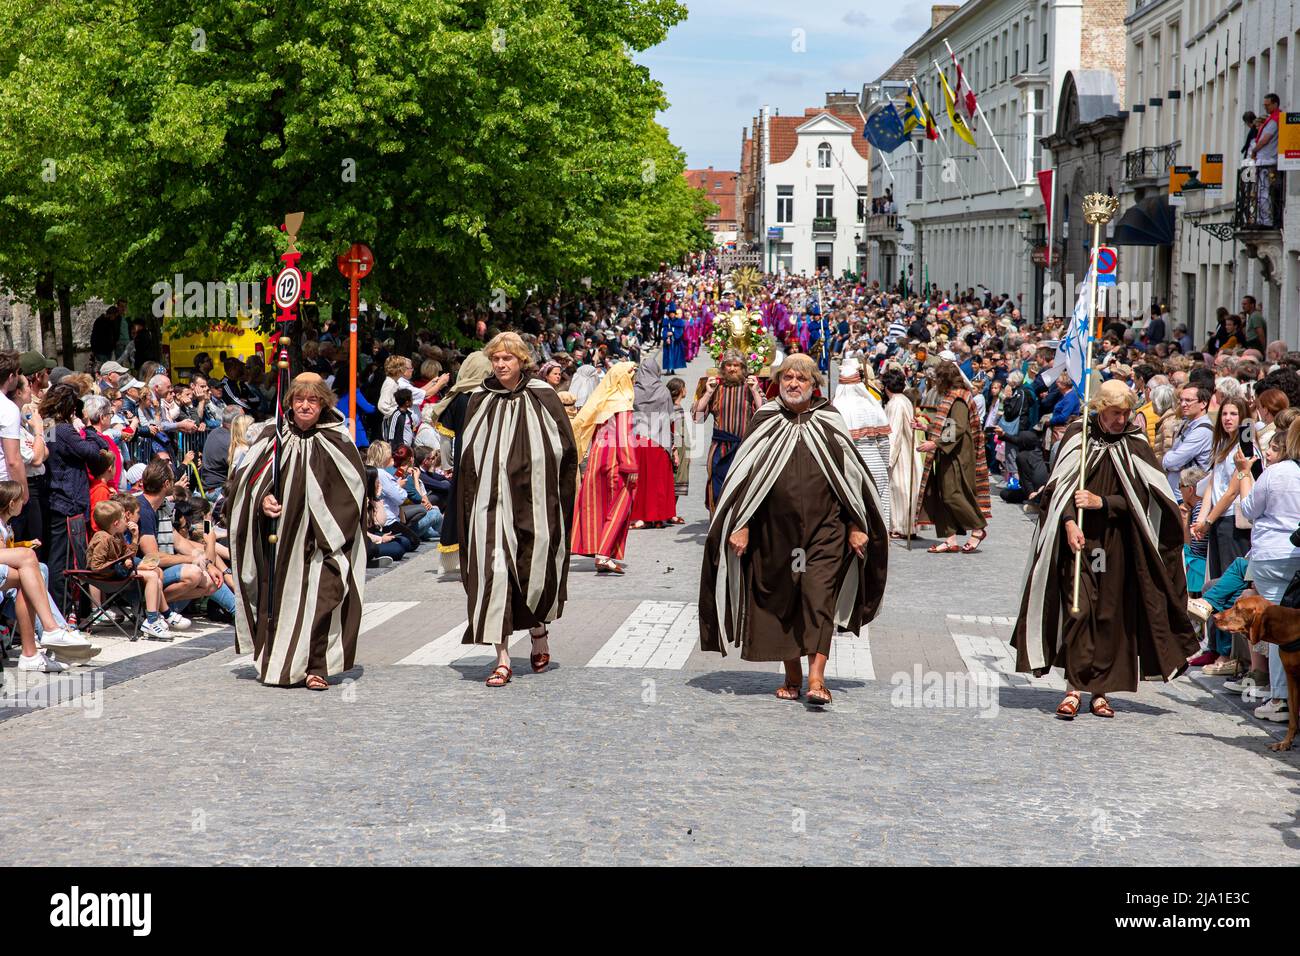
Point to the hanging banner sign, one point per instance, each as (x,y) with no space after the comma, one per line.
(1177,176)
(1212,171)
(1288,141)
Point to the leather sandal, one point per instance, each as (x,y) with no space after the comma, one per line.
(500,676)
(1101,706)
(539,662)
(976,539)
(818,693)
(316,682)
(944,548)
(1069,706)
(789,691)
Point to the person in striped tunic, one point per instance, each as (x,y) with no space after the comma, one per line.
(299,602)
(516,476)
(732,401)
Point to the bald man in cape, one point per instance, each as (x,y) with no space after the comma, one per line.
(797,547)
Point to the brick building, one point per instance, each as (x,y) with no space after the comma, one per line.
(721,189)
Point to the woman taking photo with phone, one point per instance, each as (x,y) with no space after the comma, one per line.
(1229,537)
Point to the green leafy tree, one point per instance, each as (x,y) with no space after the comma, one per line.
(476,145)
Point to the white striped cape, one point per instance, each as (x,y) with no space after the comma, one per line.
(762,456)
(517,486)
(1043,611)
(320,559)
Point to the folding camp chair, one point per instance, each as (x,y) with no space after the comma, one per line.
(124,594)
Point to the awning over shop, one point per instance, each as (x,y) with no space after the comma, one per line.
(1149,223)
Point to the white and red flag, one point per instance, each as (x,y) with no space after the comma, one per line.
(963,92)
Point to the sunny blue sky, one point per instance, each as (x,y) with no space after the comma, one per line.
(729,57)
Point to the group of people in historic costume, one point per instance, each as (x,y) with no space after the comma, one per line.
(731,399)
(954,492)
(1131,623)
(797,548)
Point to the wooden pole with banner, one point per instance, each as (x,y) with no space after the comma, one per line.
(1098,209)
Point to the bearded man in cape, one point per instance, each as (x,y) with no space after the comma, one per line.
(299,602)
(1132,620)
(798,546)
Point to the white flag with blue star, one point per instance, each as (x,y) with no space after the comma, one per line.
(1072,350)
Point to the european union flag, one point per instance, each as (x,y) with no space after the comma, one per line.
(884,129)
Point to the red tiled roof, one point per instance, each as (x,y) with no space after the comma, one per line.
(785,139)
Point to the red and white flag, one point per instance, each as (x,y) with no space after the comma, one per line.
(963,92)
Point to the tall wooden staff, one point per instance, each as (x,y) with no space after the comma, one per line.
(285,291)
(1098,209)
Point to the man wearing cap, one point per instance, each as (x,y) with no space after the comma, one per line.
(110,377)
(37,369)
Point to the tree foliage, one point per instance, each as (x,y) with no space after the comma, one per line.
(476,145)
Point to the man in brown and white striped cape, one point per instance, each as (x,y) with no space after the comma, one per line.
(517,481)
(303,615)
(798,547)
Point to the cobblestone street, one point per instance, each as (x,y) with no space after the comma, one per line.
(635,747)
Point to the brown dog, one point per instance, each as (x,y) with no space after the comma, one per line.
(1261,620)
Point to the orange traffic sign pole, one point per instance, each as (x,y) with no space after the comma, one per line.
(354,264)
(354,282)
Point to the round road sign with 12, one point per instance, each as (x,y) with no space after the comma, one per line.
(288,287)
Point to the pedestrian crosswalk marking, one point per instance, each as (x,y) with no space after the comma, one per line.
(983,619)
(850,657)
(657,635)
(992,655)
(448,649)
(377,612)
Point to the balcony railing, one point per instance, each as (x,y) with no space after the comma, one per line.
(1149,162)
(824,224)
(1261,198)
(882,223)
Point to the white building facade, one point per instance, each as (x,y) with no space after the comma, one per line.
(814,187)
(978,223)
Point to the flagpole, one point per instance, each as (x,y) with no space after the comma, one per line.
(1051,241)
(985,120)
(925,108)
(1098,208)
(957,110)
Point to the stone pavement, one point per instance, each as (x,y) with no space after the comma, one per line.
(637,748)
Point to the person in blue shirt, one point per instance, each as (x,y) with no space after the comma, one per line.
(1068,404)
(366,408)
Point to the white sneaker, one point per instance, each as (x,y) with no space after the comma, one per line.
(1257,694)
(157,630)
(42,662)
(176,622)
(61,638)
(1275,710)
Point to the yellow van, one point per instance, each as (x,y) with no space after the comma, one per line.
(238,337)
